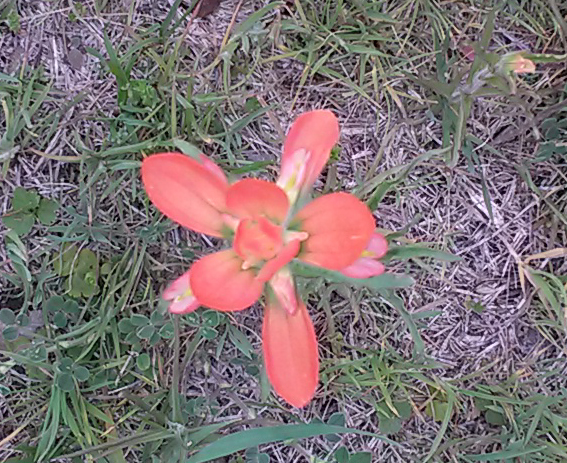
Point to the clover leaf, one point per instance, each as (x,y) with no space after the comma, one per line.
(46,211)
(82,268)
(26,207)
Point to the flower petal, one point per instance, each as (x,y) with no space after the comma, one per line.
(515,62)
(212,167)
(339,227)
(183,306)
(365,267)
(283,286)
(251,197)
(306,151)
(181,296)
(185,191)
(290,353)
(377,246)
(284,257)
(257,239)
(218,282)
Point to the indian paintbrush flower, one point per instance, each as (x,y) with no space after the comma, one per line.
(335,231)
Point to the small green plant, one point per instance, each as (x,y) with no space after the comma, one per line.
(208,321)
(12,323)
(81,267)
(253,455)
(78,10)
(141,330)
(13,20)
(392,416)
(68,373)
(493,412)
(62,310)
(342,455)
(554,135)
(27,206)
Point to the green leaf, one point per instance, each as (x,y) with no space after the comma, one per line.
(81,373)
(154,339)
(146,332)
(65,382)
(255,18)
(54,304)
(251,167)
(389,425)
(65,365)
(336,419)
(187,148)
(411,251)
(241,342)
(50,426)
(437,409)
(143,361)
(139,320)
(545,57)
(71,307)
(481,404)
(384,281)
(361,457)
(46,211)
(495,418)
(114,64)
(211,318)
(506,455)
(7,316)
(243,440)
(60,320)
(404,409)
(379,17)
(106,268)
(448,409)
(24,200)
(156,318)
(23,320)
(342,455)
(209,333)
(82,285)
(166,331)
(87,261)
(252,104)
(476,307)
(10,333)
(38,354)
(131,338)
(125,326)
(63,261)
(193,319)
(20,222)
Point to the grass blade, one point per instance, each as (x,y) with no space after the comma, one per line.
(505,454)
(243,440)
(444,424)
(380,282)
(415,250)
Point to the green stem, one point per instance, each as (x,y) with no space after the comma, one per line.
(175,402)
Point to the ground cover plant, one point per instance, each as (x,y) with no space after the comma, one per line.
(452,132)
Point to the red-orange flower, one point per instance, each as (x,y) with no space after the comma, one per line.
(368,265)
(515,62)
(333,231)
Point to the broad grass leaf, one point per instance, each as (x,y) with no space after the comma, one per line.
(384,281)
(243,440)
